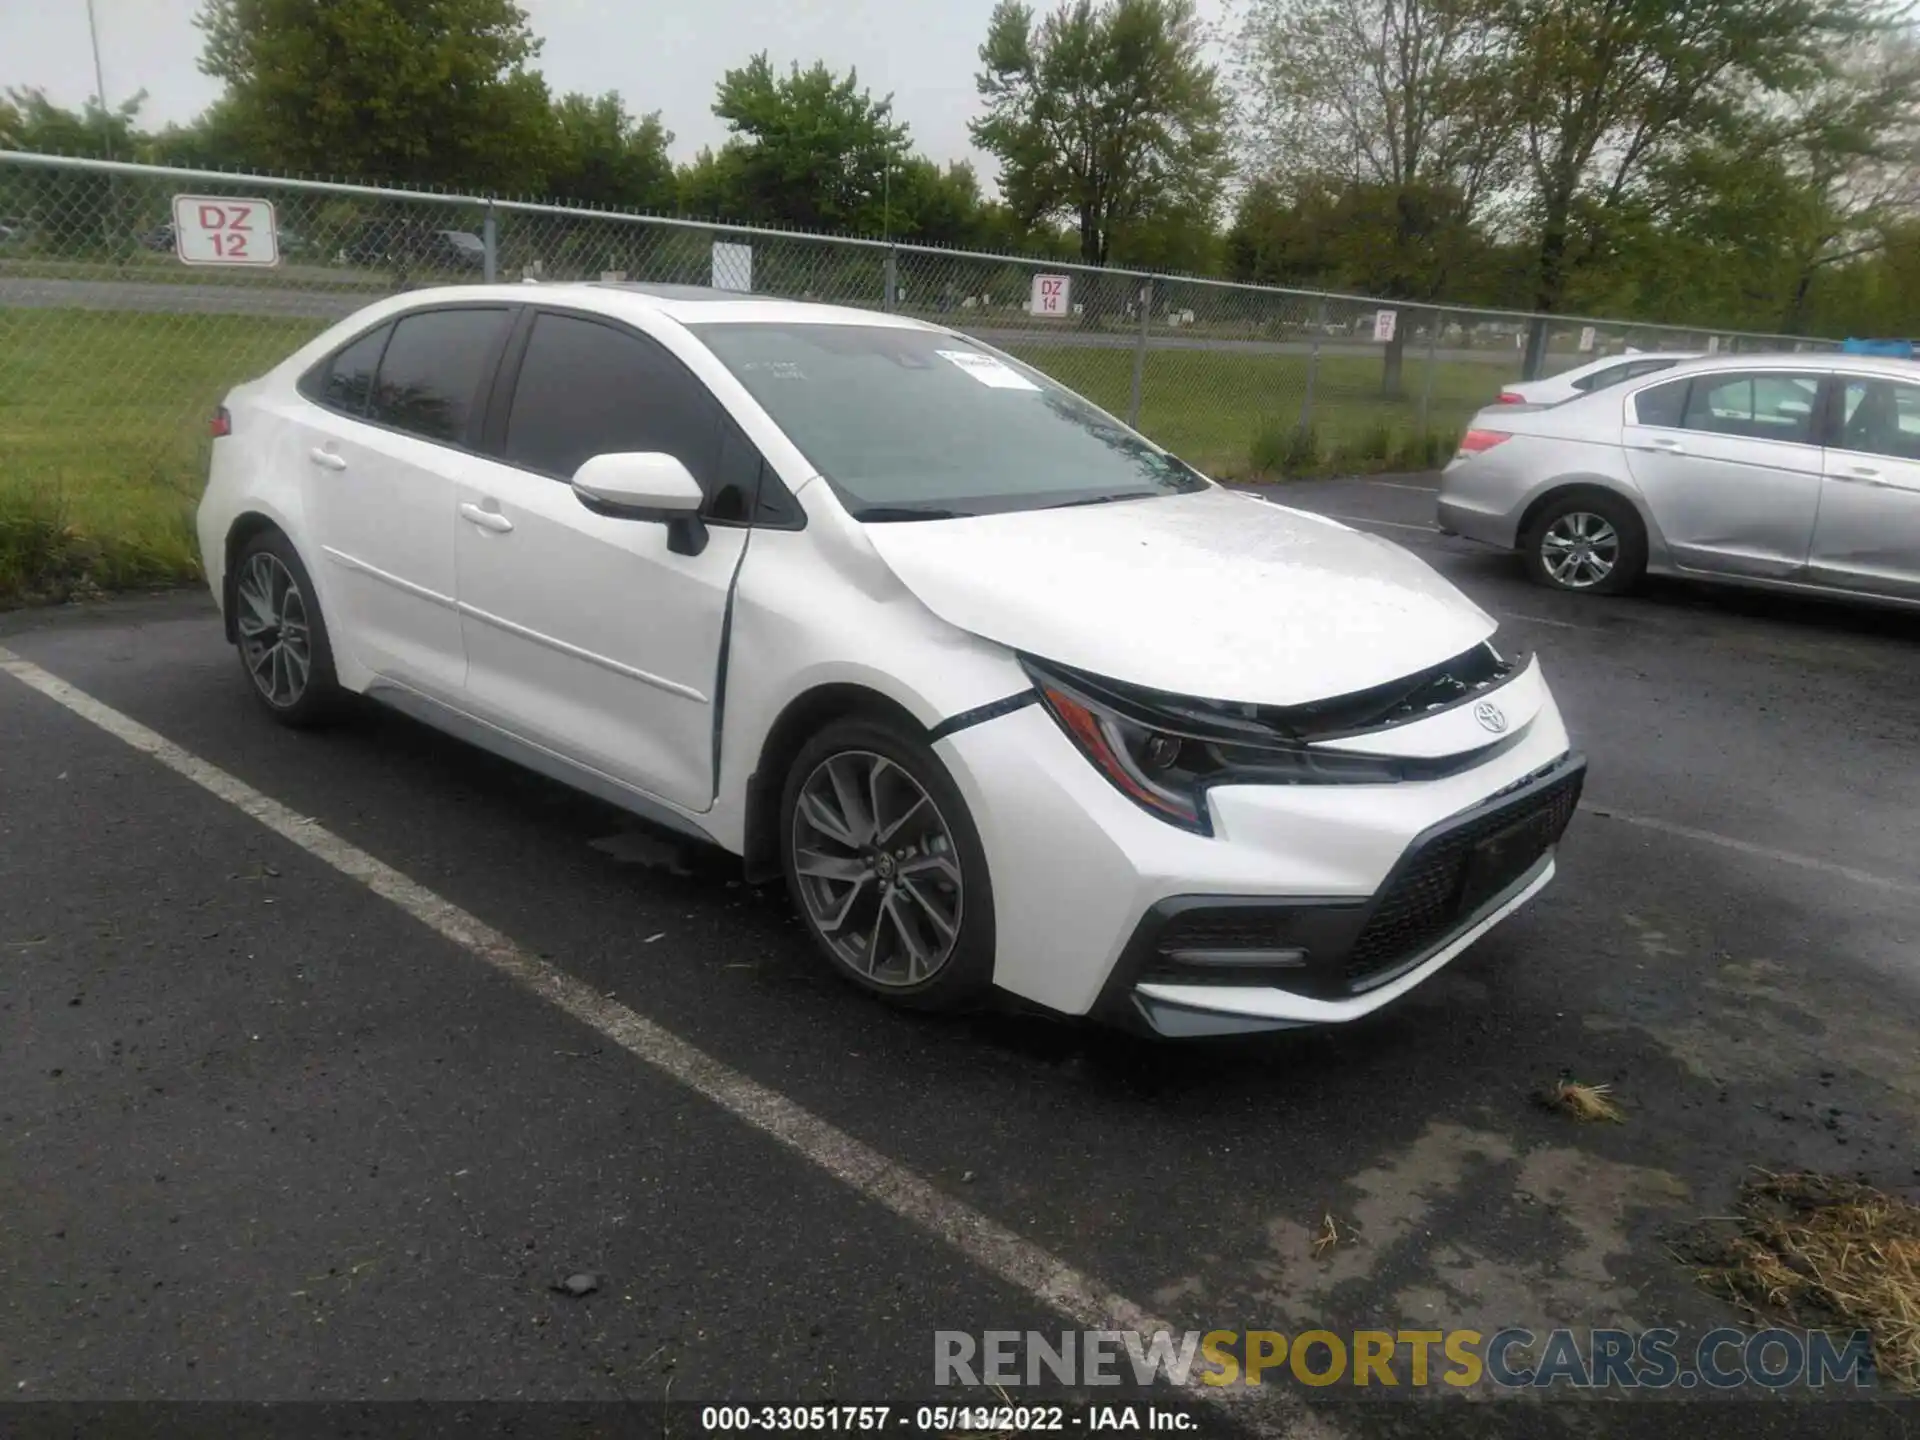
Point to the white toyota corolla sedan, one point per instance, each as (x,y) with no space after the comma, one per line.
(1012,697)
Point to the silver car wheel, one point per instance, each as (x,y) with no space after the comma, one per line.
(877,868)
(274,635)
(1579,549)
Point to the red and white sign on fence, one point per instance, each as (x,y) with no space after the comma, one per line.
(1049,295)
(219,230)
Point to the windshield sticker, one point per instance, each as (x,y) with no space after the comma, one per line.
(987,370)
(777,369)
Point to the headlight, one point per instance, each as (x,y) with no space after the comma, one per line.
(1165,761)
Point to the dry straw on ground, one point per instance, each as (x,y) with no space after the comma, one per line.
(1828,1253)
(1582,1102)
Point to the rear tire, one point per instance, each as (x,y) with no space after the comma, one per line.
(885,866)
(1587,542)
(281,635)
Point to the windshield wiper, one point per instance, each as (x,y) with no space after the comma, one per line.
(1106,499)
(910,512)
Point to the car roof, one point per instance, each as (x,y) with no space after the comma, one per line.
(1605,362)
(1795,360)
(687,304)
(1629,357)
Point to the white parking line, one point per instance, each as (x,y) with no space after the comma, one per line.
(1037,1273)
(1402,485)
(1556,624)
(1762,852)
(1390,524)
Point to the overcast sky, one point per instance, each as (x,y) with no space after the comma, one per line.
(664,55)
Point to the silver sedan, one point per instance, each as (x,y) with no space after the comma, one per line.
(1794,472)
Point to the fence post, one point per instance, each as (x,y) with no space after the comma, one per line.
(490,235)
(892,280)
(1434,324)
(1140,353)
(1313,366)
(1534,360)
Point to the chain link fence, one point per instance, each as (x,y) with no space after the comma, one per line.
(113,349)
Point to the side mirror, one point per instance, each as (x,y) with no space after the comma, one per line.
(647,482)
(646,485)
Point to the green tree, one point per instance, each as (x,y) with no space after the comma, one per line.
(1850,149)
(1606,91)
(602,155)
(1385,124)
(809,149)
(418,91)
(30,121)
(215,139)
(932,206)
(70,211)
(1104,114)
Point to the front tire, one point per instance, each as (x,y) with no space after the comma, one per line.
(1586,543)
(281,634)
(885,866)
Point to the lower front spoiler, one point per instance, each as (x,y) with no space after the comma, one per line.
(1211,965)
(1195,1011)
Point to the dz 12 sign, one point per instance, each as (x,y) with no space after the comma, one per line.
(219,230)
(1049,295)
(1384,322)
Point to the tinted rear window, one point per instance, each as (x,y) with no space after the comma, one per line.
(1662,404)
(344,382)
(430,376)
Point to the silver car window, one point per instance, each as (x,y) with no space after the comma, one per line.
(1766,405)
(1881,417)
(1661,404)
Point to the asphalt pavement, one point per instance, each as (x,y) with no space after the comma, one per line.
(264,1134)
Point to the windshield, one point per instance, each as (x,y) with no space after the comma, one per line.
(913,424)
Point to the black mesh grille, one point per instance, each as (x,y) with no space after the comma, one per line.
(1249,928)
(1224,930)
(1433,891)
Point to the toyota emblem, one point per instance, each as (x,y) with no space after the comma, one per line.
(1490,716)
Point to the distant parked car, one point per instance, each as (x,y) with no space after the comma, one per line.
(1596,375)
(159,238)
(459,249)
(1792,472)
(398,242)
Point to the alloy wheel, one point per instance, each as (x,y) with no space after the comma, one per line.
(1580,549)
(877,868)
(275,638)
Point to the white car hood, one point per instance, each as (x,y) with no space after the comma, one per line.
(1214,595)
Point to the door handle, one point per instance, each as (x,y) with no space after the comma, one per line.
(327,459)
(486,519)
(1662,443)
(1868,474)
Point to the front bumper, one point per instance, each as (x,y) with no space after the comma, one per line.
(1085,883)
(1323,961)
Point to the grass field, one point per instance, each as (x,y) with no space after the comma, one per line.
(103,425)
(1221,410)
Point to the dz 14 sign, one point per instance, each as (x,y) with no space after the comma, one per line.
(1049,295)
(219,230)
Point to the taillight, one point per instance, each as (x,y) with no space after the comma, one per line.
(1478,442)
(222,423)
(1507,397)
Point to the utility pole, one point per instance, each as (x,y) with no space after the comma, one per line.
(100,82)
